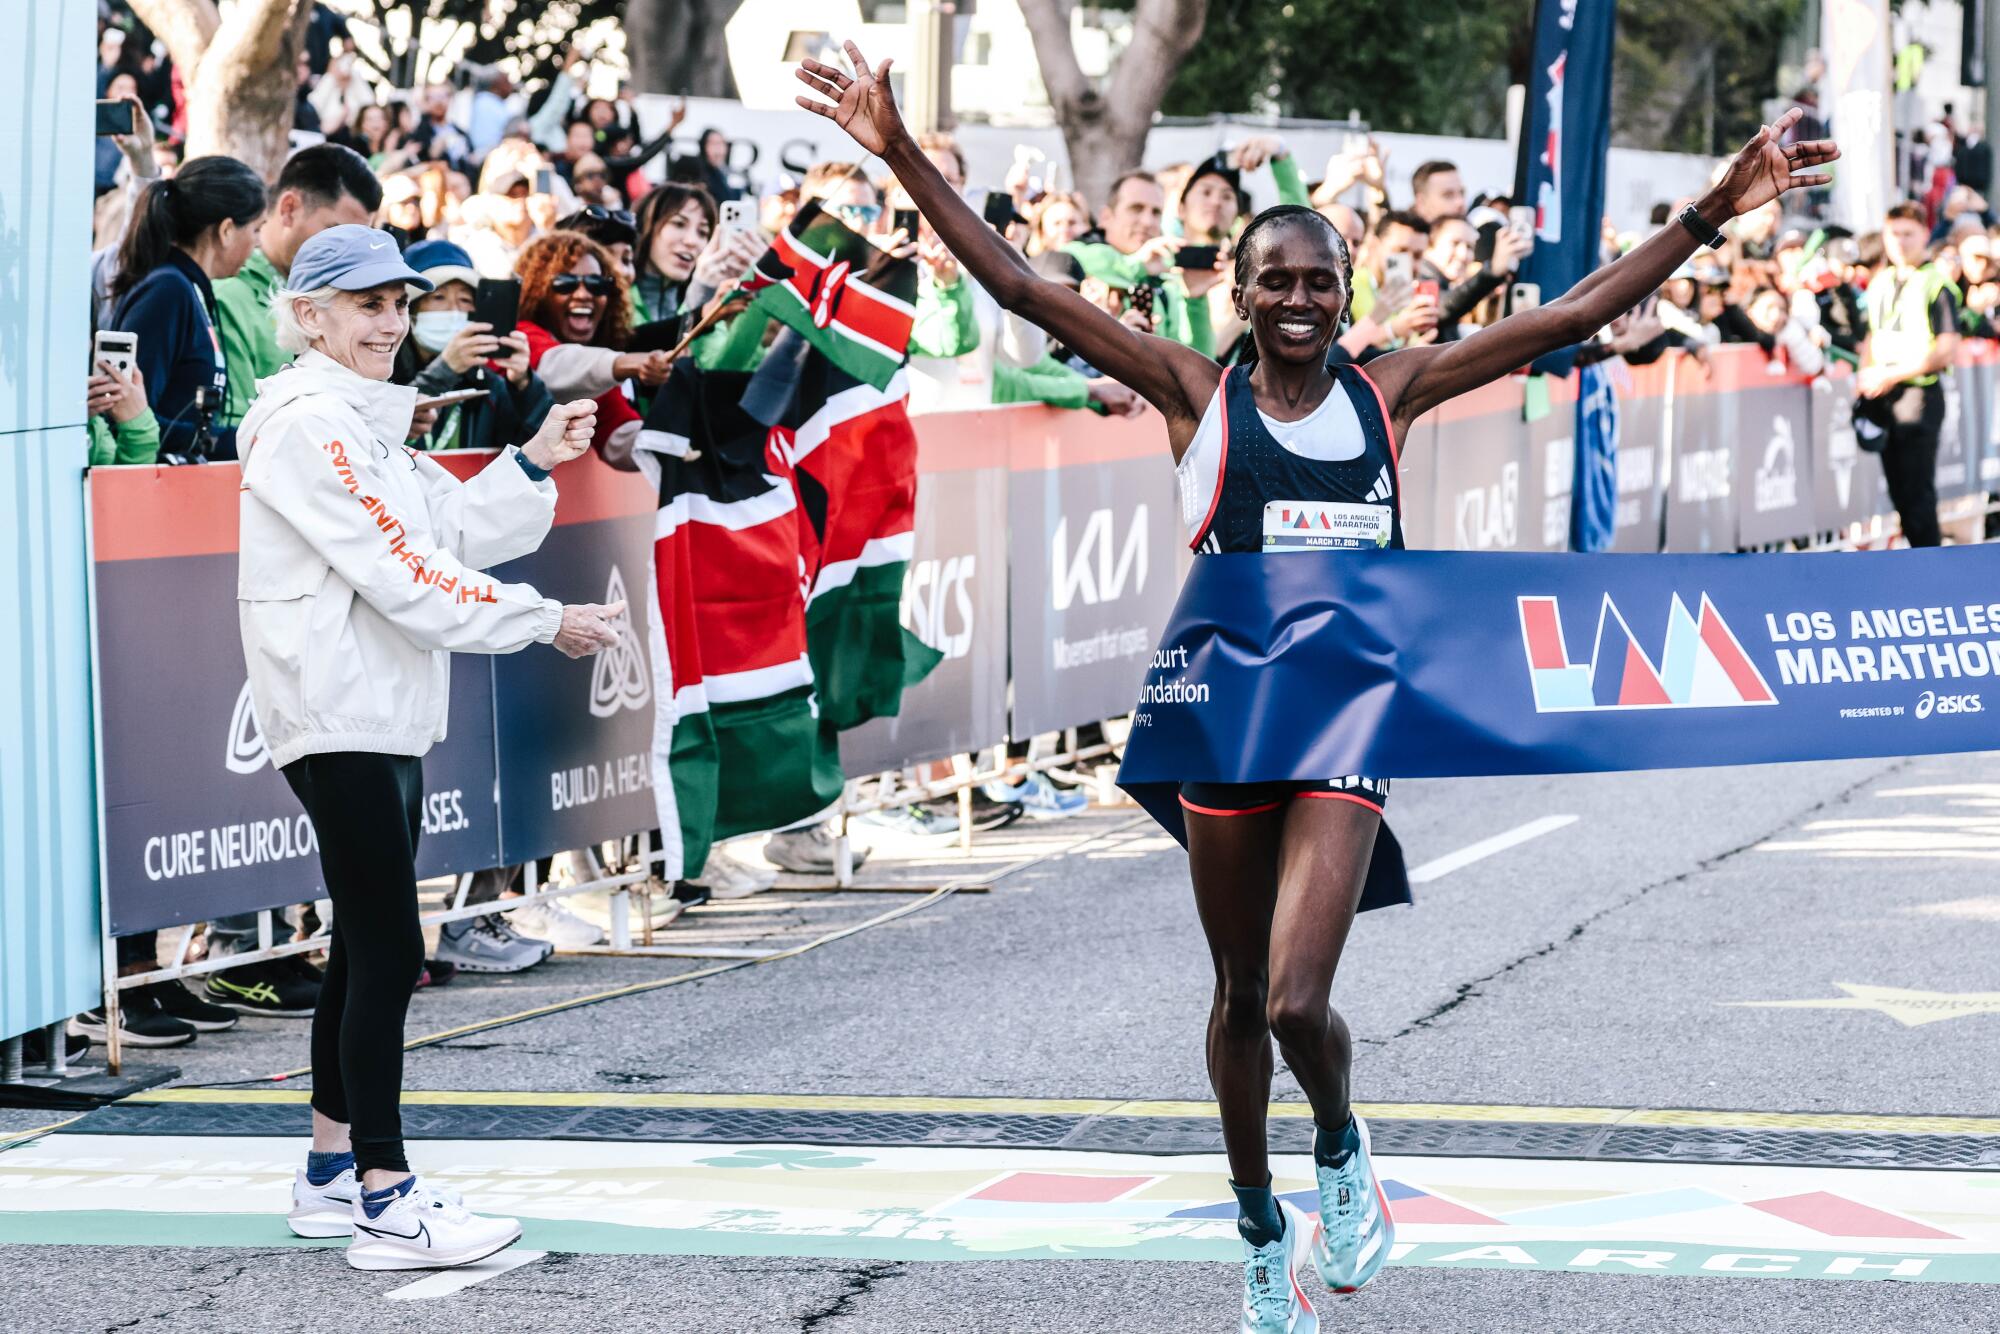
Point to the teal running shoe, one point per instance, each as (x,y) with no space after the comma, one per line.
(1273,1301)
(1356,1231)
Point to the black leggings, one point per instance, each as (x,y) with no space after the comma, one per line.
(367,812)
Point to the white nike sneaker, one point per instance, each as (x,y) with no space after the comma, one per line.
(426,1229)
(323,1211)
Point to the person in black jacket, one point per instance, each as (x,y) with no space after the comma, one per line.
(446,351)
(186,231)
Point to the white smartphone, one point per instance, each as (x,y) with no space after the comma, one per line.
(1521,218)
(1396,268)
(1523,296)
(738,215)
(120,349)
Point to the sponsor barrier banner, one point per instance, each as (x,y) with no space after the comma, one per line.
(1439,664)
(1095,522)
(1642,433)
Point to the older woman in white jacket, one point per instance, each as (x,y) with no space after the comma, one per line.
(360,575)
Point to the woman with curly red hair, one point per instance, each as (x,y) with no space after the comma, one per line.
(575,313)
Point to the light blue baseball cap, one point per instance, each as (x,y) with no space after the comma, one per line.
(350,258)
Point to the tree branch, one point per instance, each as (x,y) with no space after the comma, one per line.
(1048,28)
(186,26)
(1163,32)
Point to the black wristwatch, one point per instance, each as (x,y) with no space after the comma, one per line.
(1690,218)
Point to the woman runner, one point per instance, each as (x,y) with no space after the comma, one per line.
(1277,880)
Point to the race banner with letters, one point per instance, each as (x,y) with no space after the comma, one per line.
(1410,664)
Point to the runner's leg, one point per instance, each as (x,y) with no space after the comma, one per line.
(1234,860)
(1321,866)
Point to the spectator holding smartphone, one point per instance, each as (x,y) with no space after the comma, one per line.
(576,318)
(448,351)
(685,264)
(187,232)
(122,428)
(1461,279)
(1133,251)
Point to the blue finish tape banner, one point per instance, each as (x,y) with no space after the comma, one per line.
(1417,664)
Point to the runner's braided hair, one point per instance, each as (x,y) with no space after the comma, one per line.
(1279,215)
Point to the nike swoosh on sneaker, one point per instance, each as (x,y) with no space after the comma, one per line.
(423,1230)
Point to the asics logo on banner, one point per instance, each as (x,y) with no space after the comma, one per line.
(245,751)
(1931,702)
(937,603)
(619,675)
(1702,665)
(1092,570)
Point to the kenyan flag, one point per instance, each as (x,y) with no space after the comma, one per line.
(845,296)
(741,748)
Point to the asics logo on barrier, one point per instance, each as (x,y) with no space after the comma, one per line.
(1703,665)
(619,675)
(1931,702)
(245,752)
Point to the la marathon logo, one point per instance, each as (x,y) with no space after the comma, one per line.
(1703,665)
(619,676)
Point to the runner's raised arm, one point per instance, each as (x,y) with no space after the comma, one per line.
(1417,379)
(1175,379)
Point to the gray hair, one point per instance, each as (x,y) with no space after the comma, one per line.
(292,337)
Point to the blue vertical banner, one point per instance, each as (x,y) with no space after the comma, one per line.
(1564,144)
(1593,505)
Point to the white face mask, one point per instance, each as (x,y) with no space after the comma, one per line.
(434,328)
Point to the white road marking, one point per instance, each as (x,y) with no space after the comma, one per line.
(1486,847)
(446,1282)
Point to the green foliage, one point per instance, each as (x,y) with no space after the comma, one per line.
(1443,66)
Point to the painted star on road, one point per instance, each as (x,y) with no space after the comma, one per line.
(1908,1008)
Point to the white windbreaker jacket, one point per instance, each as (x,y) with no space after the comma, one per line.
(358,576)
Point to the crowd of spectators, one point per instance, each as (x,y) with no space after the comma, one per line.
(622,248)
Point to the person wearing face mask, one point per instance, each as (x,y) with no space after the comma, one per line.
(448,350)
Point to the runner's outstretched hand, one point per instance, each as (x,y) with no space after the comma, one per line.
(862,103)
(1766,167)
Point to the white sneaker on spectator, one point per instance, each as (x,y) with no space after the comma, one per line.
(922,821)
(594,908)
(549,920)
(425,1229)
(727,878)
(807,851)
(488,945)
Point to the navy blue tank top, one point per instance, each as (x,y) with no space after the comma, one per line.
(1268,498)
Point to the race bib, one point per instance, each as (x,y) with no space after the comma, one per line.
(1324,525)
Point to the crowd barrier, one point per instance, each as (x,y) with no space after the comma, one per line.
(1048,553)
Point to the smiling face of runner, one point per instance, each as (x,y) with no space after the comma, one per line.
(1292,283)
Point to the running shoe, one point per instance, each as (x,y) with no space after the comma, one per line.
(273,988)
(323,1211)
(1273,1301)
(425,1228)
(923,821)
(141,1023)
(594,907)
(35,1048)
(549,920)
(728,878)
(488,945)
(191,1009)
(1356,1229)
(807,851)
(1041,799)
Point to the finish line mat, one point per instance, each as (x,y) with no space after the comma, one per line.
(923,1203)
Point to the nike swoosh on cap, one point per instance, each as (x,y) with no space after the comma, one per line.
(378,245)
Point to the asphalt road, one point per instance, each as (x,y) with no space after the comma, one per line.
(1626,958)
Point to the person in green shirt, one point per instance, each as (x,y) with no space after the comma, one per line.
(122,428)
(319,187)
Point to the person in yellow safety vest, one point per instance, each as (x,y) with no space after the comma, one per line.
(1912,340)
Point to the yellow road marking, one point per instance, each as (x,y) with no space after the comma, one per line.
(1688,1118)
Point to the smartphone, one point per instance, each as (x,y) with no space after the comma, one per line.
(545,181)
(906,221)
(738,215)
(1427,287)
(1523,296)
(119,348)
(446,400)
(1396,268)
(114,117)
(497,301)
(1195,257)
(1142,299)
(1521,218)
(999,211)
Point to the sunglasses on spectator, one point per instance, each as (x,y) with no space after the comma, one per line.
(596,283)
(859,215)
(599,213)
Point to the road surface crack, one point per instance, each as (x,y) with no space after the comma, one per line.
(1468,990)
(858,1284)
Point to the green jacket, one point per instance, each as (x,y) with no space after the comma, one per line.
(249,338)
(736,344)
(1047,381)
(1174,316)
(135,441)
(945,325)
